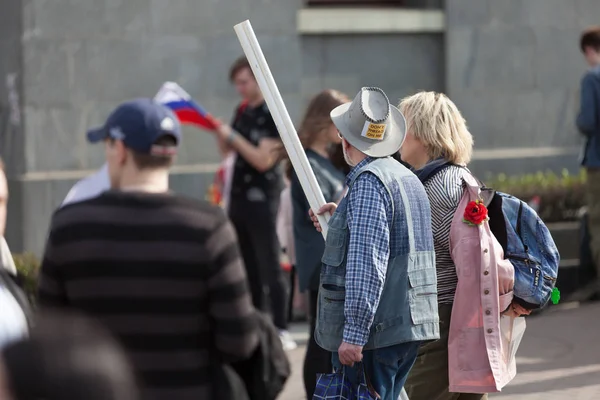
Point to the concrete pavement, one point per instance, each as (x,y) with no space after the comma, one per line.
(559,357)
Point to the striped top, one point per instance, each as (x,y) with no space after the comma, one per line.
(164,274)
(444,190)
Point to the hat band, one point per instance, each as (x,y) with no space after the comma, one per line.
(373,131)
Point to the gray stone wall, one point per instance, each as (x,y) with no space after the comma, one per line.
(79,59)
(513,68)
(409,63)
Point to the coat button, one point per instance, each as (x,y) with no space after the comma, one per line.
(490,330)
(486,273)
(485,250)
(487,312)
(486,291)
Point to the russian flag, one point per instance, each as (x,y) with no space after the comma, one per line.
(187,110)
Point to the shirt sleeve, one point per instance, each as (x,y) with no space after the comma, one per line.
(586,120)
(269,128)
(230,303)
(368,209)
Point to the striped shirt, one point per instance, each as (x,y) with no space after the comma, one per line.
(444,189)
(164,274)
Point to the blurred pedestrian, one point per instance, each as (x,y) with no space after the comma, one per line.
(255,194)
(15,309)
(588,123)
(285,233)
(318,135)
(66,357)
(162,271)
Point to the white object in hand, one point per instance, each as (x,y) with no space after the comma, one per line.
(282,119)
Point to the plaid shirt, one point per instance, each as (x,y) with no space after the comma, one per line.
(369,214)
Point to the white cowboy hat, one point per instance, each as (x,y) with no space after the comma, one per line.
(370,123)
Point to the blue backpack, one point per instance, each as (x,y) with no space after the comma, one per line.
(528,245)
(526,241)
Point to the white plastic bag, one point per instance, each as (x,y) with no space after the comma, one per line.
(512,330)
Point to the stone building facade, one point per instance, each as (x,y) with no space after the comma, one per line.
(512,66)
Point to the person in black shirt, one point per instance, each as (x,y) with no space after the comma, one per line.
(255,190)
(320,139)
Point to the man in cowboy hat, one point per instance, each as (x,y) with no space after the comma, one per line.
(378,294)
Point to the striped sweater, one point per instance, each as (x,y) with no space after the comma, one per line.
(164,274)
(444,191)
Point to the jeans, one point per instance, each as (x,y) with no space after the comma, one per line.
(386,368)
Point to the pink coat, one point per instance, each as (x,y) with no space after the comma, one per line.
(478,359)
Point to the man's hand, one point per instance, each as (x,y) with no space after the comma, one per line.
(223,130)
(329,207)
(349,354)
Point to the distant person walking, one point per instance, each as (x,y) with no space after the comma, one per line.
(588,123)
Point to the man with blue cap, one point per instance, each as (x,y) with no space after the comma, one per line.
(161,271)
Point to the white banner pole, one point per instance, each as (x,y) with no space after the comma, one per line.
(282,119)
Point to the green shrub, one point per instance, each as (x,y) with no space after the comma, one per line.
(28,266)
(561,196)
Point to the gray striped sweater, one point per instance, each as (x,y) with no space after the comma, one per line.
(164,274)
(444,190)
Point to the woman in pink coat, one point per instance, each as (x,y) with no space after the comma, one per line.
(474,282)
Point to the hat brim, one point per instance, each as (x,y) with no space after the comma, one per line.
(97,135)
(393,139)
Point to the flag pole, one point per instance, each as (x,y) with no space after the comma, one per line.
(282,119)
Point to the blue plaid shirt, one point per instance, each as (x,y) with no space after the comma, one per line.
(369,215)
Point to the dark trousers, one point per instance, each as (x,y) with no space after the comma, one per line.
(255,224)
(291,292)
(317,360)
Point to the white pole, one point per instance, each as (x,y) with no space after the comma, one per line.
(282,119)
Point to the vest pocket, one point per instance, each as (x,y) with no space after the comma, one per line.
(335,244)
(331,304)
(422,296)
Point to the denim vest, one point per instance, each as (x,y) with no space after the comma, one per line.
(408,308)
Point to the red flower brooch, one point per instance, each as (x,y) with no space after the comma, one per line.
(475,213)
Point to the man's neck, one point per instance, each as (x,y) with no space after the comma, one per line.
(152,182)
(255,102)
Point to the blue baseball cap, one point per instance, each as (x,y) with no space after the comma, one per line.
(139,124)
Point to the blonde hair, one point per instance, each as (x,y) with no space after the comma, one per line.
(435,120)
